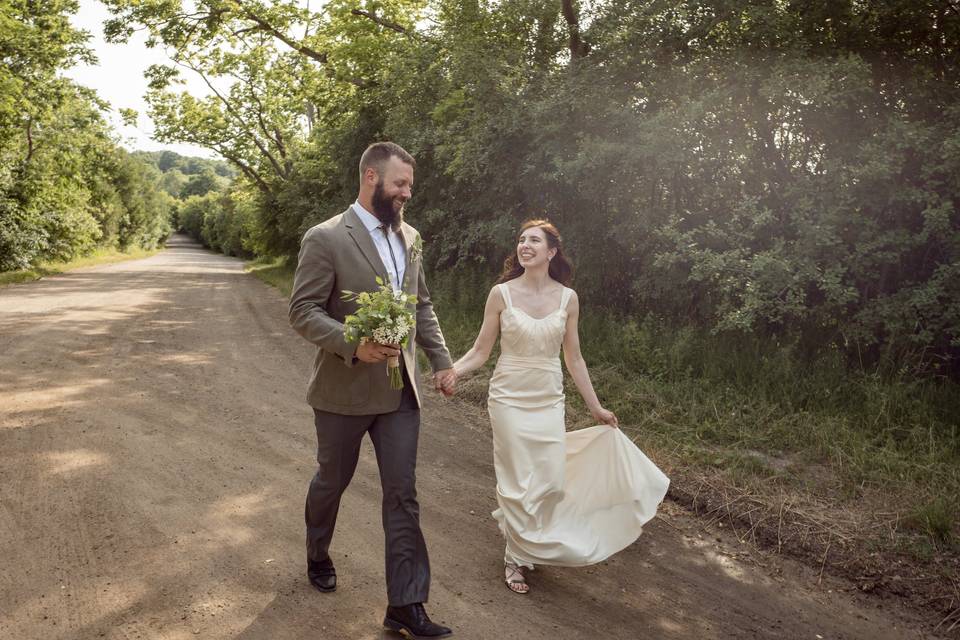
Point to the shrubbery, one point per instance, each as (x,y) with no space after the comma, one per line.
(66,188)
(763,170)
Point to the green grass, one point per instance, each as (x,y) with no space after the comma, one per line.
(934,518)
(899,435)
(98,257)
(750,407)
(277,272)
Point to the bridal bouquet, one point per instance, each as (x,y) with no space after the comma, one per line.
(384,316)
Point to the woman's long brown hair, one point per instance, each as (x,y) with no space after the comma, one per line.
(560,269)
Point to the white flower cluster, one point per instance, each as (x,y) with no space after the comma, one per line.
(392,333)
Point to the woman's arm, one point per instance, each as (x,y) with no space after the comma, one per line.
(578,368)
(487,337)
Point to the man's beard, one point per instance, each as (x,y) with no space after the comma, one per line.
(383,208)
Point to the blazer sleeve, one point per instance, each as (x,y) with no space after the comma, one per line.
(313,285)
(429,336)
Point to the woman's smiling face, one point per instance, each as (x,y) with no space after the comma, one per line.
(533,248)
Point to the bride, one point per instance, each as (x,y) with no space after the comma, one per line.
(567,499)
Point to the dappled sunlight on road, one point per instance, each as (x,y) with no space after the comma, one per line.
(112,596)
(669,626)
(229,519)
(129,401)
(63,462)
(706,556)
(18,402)
(185,358)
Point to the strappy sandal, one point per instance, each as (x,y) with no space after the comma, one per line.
(515,580)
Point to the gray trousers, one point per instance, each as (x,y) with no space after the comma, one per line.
(394,437)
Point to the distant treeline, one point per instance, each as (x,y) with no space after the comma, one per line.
(66,187)
(788,170)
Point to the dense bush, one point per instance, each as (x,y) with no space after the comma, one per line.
(784,170)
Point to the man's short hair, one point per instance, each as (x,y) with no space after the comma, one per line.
(377,155)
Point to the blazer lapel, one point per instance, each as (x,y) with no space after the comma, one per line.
(361,236)
(409,235)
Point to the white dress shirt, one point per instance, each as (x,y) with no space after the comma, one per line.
(371,222)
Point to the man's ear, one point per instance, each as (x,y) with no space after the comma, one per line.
(371,175)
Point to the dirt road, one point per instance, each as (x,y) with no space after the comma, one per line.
(155,448)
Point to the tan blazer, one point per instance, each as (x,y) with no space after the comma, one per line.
(336,255)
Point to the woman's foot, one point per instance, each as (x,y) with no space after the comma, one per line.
(513,576)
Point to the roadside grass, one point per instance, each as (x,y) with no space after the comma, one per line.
(277,272)
(935,519)
(98,257)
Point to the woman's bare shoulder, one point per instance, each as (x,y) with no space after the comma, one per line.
(496,296)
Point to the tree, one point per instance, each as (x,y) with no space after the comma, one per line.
(200,184)
(168,160)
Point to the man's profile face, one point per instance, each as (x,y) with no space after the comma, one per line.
(393,189)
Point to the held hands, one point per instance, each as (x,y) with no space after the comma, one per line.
(372,352)
(445,381)
(606,417)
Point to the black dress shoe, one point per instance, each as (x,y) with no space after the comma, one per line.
(322,575)
(411,620)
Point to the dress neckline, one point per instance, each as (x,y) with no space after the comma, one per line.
(564,296)
(552,313)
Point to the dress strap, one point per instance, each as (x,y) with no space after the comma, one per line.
(567,292)
(505,292)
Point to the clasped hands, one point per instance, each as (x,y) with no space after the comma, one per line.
(444,380)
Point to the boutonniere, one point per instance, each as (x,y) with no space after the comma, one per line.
(416,252)
(416,249)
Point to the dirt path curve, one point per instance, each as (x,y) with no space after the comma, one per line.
(154,452)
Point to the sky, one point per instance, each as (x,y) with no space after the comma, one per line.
(118,78)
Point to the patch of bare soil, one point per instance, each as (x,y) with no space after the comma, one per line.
(862,543)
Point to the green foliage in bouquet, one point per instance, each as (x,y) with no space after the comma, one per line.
(384,316)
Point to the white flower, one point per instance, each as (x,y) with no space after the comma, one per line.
(392,332)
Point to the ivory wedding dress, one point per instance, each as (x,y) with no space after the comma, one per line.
(568,499)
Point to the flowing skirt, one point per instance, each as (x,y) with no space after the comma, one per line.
(567,499)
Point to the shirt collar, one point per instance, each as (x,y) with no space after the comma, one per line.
(369,220)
